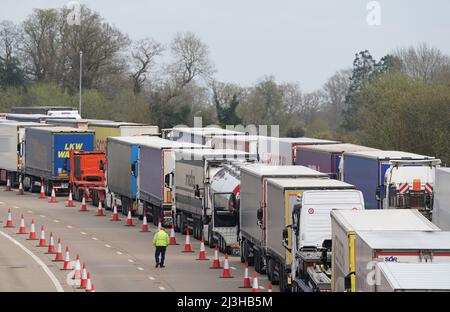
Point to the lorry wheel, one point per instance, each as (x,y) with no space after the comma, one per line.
(48,188)
(241,251)
(80,195)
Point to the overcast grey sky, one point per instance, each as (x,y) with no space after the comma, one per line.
(295,40)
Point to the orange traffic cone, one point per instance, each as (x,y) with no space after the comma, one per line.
(51,246)
(144,224)
(247,282)
(20,191)
(129,219)
(42,192)
(59,255)
(202,252)
(216,261)
(83,277)
(32,231)
(269,287)
(88,283)
(42,242)
(22,229)
(83,203)
(187,245)
(92,288)
(255,287)
(9,223)
(173,240)
(226,268)
(70,200)
(100,210)
(8,185)
(115,216)
(67,264)
(77,274)
(53,197)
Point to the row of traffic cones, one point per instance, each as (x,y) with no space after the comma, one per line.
(79,273)
(226,273)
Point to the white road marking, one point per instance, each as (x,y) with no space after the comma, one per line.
(42,216)
(29,211)
(16,207)
(131,260)
(233,268)
(151,278)
(2,203)
(118,252)
(84,233)
(108,246)
(261,287)
(56,221)
(44,267)
(94,238)
(162,288)
(69,226)
(140,269)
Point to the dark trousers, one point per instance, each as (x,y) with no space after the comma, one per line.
(160,251)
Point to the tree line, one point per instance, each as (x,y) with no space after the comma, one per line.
(401,101)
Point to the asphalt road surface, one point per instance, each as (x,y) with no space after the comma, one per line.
(118,258)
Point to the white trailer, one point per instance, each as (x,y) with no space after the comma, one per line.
(198,135)
(441,208)
(12,156)
(290,228)
(344,225)
(372,247)
(413,277)
(252,213)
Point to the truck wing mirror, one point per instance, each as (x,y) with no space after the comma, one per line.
(133,168)
(102,166)
(348,281)
(197,191)
(285,239)
(378,193)
(259,215)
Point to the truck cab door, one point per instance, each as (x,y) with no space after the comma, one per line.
(134,170)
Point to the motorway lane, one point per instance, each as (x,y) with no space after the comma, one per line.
(19,271)
(121,258)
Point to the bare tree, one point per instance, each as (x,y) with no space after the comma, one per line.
(9,41)
(423,63)
(143,58)
(191,59)
(335,92)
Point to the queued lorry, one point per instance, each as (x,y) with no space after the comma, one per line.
(12,136)
(396,277)
(346,223)
(87,175)
(47,155)
(253,203)
(130,174)
(197,135)
(392,179)
(327,157)
(207,195)
(372,247)
(156,195)
(441,209)
(299,231)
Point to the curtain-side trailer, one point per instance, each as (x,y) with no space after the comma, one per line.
(327,157)
(47,154)
(345,224)
(392,179)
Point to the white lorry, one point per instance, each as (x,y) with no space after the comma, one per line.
(427,277)
(372,247)
(345,224)
(298,221)
(252,213)
(441,209)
